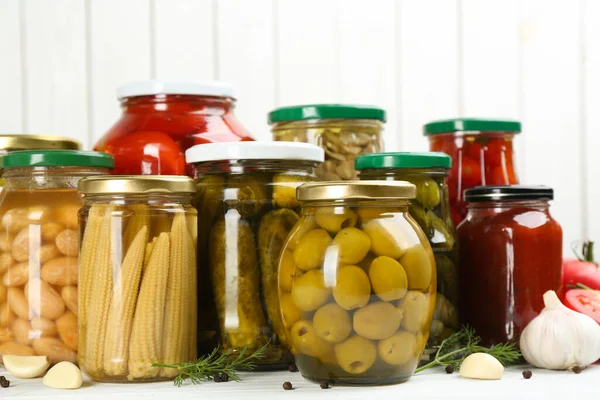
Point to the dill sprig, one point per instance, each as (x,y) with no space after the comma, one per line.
(457,347)
(216,362)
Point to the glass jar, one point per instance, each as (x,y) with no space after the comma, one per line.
(10,143)
(161,119)
(137,277)
(39,250)
(431,210)
(482,153)
(510,254)
(357,283)
(246,205)
(343,131)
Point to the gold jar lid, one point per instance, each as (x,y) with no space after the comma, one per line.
(37,142)
(136,184)
(356,190)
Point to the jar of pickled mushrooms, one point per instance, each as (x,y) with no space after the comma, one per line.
(357,283)
(246,205)
(39,249)
(344,131)
(137,277)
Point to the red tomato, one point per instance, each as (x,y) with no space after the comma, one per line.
(146,153)
(470,173)
(496,176)
(584,272)
(474,150)
(584,301)
(495,152)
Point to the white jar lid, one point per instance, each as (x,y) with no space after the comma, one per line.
(254,151)
(154,87)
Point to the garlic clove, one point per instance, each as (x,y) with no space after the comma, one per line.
(26,367)
(481,366)
(64,375)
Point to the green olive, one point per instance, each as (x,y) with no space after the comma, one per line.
(332,323)
(388,278)
(352,288)
(310,252)
(353,245)
(309,291)
(368,213)
(398,349)
(291,313)
(305,225)
(415,306)
(334,219)
(356,355)
(284,189)
(387,237)
(377,321)
(287,270)
(417,263)
(306,341)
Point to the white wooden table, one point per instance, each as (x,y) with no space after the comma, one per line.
(260,385)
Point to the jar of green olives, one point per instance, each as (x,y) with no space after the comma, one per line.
(344,131)
(357,283)
(246,202)
(431,209)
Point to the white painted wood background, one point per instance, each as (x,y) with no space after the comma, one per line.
(533,60)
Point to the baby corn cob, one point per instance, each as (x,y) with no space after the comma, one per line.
(87,257)
(99,301)
(193,301)
(122,307)
(140,219)
(174,348)
(149,248)
(145,344)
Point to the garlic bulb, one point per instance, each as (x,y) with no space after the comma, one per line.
(560,338)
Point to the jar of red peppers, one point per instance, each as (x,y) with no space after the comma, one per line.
(162,119)
(510,254)
(482,153)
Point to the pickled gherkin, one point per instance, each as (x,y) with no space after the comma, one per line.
(428,193)
(273,231)
(253,193)
(284,189)
(236,282)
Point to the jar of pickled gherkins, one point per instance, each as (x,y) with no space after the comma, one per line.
(357,283)
(9,143)
(482,150)
(344,131)
(247,205)
(39,250)
(431,210)
(137,277)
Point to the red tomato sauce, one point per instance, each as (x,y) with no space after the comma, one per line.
(154,131)
(510,254)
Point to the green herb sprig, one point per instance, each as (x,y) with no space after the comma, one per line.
(209,366)
(460,345)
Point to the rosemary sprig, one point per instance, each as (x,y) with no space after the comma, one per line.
(209,366)
(457,347)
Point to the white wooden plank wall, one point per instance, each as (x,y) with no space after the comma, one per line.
(533,60)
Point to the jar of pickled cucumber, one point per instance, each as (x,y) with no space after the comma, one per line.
(357,283)
(246,206)
(9,143)
(137,277)
(344,131)
(39,250)
(431,209)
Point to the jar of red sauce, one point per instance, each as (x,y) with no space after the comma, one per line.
(162,119)
(482,154)
(510,254)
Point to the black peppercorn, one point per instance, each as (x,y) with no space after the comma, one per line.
(449,369)
(221,377)
(527,374)
(287,386)
(2,378)
(577,369)
(5,383)
(324,385)
(292,367)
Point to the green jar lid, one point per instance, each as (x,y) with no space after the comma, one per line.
(57,158)
(326,111)
(471,124)
(403,160)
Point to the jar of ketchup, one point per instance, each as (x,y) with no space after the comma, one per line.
(162,119)
(510,255)
(482,154)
